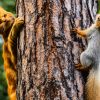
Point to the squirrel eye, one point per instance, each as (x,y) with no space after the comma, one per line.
(5,15)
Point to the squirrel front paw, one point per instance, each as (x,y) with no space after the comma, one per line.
(19,21)
(78,66)
(75,30)
(82,68)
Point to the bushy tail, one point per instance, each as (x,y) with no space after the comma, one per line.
(93,86)
(12,96)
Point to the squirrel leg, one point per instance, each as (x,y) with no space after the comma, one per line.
(86,60)
(80,32)
(82,68)
(17,25)
(12,38)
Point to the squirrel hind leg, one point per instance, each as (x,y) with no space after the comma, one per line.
(86,60)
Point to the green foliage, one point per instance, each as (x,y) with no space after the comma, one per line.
(9,5)
(98,7)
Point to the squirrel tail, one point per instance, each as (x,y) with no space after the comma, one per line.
(12,96)
(93,86)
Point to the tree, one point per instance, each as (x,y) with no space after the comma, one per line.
(48,50)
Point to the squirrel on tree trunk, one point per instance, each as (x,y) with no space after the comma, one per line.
(10,29)
(90,58)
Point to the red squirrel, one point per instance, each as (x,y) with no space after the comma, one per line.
(9,29)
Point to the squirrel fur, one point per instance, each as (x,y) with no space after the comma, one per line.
(9,29)
(91,58)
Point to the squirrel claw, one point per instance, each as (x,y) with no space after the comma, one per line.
(75,30)
(78,66)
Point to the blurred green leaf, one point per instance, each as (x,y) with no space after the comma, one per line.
(9,5)
(98,11)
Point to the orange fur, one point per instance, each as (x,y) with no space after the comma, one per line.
(80,32)
(9,29)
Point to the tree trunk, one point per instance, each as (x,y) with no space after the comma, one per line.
(48,50)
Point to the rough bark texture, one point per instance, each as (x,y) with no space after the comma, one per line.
(48,51)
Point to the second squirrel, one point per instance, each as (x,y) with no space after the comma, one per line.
(91,58)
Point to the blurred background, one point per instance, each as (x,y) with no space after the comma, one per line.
(9,5)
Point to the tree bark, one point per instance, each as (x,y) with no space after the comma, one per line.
(48,50)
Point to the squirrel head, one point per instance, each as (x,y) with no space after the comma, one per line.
(6,22)
(97,21)
(8,19)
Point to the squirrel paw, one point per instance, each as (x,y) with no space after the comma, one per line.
(18,23)
(75,30)
(81,68)
(19,20)
(78,67)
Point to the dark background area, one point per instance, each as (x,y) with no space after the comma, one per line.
(9,5)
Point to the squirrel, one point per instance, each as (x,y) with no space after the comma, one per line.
(90,58)
(9,29)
